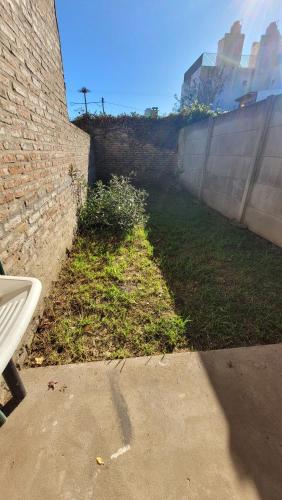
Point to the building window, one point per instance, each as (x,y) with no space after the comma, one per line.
(244,83)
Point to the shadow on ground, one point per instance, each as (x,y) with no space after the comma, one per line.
(253,415)
(228,282)
(225,279)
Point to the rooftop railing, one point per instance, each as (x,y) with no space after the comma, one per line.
(213,59)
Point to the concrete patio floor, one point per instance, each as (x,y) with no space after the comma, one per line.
(184,426)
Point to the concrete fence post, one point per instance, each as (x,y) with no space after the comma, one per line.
(256,162)
(207,153)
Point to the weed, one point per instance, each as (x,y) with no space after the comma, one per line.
(117,207)
(191,280)
(111,301)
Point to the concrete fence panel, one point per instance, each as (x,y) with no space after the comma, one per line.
(241,165)
(233,148)
(192,146)
(264,211)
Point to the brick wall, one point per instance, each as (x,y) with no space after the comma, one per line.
(39,146)
(124,145)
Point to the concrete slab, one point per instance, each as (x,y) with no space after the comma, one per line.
(184,426)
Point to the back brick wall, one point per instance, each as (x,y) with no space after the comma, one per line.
(142,146)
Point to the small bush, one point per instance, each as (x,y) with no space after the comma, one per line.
(187,112)
(118,206)
(196,112)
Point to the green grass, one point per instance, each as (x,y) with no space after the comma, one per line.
(111,301)
(191,280)
(227,279)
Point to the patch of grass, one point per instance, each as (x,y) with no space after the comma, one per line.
(227,280)
(192,280)
(111,301)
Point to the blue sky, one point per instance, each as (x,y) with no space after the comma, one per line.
(135,52)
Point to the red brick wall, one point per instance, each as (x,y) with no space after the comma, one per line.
(142,146)
(38,145)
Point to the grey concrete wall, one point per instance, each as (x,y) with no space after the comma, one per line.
(237,167)
(264,210)
(233,148)
(192,153)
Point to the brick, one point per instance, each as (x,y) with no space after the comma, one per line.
(16,170)
(22,228)
(6,30)
(8,158)
(37,216)
(10,108)
(14,98)
(27,146)
(12,223)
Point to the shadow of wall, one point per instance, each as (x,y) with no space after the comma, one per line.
(252,409)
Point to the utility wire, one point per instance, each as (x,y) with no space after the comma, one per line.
(91,102)
(134,93)
(107,102)
(123,105)
(125,92)
(102,103)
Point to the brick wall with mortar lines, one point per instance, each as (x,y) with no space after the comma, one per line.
(38,143)
(147,148)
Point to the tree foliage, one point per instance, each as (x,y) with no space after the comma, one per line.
(205,89)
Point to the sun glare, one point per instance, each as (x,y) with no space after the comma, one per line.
(249,11)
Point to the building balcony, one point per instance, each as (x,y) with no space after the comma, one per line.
(214,59)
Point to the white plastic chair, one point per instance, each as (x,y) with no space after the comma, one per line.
(19,297)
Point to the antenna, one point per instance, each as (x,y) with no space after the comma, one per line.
(85,91)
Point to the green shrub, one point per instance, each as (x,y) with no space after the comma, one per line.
(118,206)
(187,112)
(196,112)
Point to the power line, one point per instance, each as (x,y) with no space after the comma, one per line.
(85,90)
(103,102)
(91,102)
(133,93)
(123,105)
(125,92)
